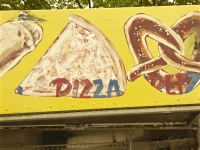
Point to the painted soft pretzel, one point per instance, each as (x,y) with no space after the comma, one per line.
(171,48)
(184,27)
(137,29)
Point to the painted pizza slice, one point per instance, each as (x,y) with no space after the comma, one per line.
(17,39)
(81,62)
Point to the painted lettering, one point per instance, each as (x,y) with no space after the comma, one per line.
(59,83)
(156,81)
(86,89)
(173,84)
(99,89)
(169,85)
(193,82)
(113,83)
(85,85)
(75,87)
(169,82)
(179,78)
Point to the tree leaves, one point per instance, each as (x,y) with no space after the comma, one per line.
(23,4)
(73,4)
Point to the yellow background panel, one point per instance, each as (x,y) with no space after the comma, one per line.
(111,22)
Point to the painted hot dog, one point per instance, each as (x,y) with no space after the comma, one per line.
(17,39)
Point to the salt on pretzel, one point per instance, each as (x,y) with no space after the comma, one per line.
(184,27)
(137,29)
(171,50)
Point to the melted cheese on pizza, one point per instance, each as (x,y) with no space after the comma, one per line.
(76,54)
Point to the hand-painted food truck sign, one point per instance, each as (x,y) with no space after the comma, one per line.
(48,58)
(171,48)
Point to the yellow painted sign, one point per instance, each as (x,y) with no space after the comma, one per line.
(62,60)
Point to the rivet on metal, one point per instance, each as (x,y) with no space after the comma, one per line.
(6,109)
(72,105)
(114,103)
(93,104)
(50,106)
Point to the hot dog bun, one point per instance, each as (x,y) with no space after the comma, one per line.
(17,39)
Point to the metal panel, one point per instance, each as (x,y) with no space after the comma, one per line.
(139,93)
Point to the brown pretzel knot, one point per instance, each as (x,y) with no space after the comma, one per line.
(171,49)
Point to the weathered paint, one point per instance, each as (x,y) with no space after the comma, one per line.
(165,86)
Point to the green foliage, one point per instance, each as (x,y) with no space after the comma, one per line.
(73,4)
(23,4)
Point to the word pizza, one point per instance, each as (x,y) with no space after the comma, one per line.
(83,88)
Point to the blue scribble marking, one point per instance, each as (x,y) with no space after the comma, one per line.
(19,90)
